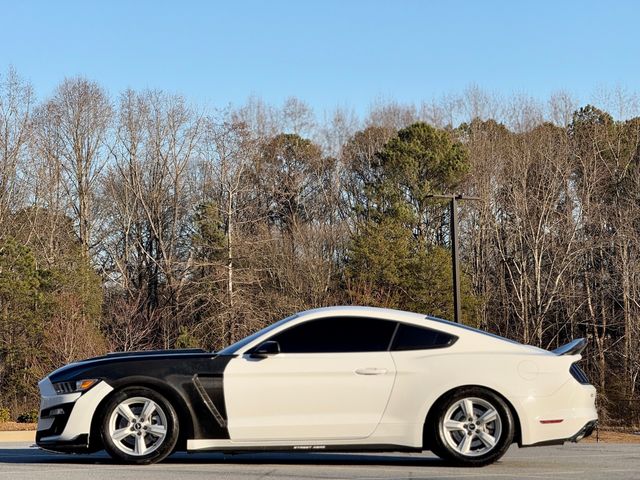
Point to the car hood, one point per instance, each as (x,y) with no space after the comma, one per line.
(92,367)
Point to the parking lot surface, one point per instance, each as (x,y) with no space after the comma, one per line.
(581,461)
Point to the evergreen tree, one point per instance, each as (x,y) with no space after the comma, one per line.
(50,305)
(21,317)
(399,253)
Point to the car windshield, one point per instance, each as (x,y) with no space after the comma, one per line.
(234,347)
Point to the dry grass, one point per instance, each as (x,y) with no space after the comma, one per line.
(608,436)
(17,427)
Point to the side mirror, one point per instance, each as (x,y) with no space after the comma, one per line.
(266,349)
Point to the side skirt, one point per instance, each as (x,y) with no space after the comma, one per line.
(194,446)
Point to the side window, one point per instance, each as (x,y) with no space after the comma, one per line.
(412,337)
(337,334)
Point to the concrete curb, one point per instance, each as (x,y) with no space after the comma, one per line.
(20,436)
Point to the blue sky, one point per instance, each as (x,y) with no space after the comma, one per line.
(327,52)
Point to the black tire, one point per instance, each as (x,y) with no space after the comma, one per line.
(449,443)
(163,415)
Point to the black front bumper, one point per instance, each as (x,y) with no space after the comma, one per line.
(59,420)
(79,444)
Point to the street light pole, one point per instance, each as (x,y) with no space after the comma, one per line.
(455,258)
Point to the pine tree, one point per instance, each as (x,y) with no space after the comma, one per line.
(399,255)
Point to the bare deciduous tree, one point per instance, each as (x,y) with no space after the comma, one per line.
(78,116)
(16,104)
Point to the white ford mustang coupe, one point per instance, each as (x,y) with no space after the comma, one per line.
(339,378)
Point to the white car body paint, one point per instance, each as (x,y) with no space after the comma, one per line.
(322,396)
(296,399)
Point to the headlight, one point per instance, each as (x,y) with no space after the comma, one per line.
(74,387)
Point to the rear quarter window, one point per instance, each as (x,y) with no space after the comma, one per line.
(412,337)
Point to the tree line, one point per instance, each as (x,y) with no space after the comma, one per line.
(143,221)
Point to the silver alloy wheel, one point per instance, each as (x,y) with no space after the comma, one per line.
(472,427)
(138,426)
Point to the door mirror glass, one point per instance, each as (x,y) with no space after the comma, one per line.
(265,349)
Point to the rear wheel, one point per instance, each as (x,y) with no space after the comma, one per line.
(139,426)
(471,427)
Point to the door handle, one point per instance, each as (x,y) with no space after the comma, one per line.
(371,371)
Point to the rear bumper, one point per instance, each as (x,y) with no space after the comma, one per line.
(568,414)
(584,432)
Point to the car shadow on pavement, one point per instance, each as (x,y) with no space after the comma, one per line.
(34,455)
(309,459)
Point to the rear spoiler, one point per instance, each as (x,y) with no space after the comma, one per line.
(574,347)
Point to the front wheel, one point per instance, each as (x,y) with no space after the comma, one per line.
(472,427)
(139,426)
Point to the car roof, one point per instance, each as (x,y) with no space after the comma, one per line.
(356,311)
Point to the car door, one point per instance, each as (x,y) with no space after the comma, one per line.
(331,380)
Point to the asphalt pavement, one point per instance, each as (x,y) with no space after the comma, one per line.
(585,461)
